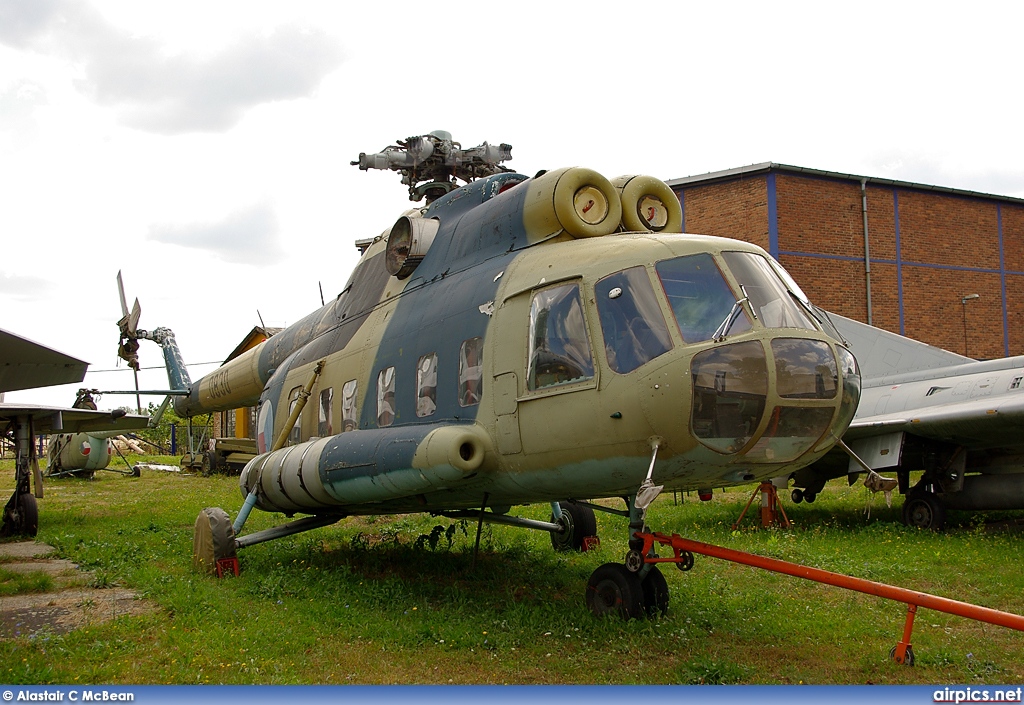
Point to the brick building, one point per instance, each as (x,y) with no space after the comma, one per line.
(928,248)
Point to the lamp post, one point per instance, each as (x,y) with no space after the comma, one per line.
(963,302)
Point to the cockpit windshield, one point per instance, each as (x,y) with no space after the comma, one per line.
(769,297)
(700,297)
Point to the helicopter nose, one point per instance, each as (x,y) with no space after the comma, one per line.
(773,402)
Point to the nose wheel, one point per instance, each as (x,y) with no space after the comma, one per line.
(615,590)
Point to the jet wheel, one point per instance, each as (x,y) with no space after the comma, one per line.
(21,516)
(923,510)
(809,497)
(579,522)
(797,495)
(613,590)
(655,589)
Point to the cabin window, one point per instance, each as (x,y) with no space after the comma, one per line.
(426,385)
(632,324)
(769,297)
(700,297)
(386,397)
(471,378)
(349,417)
(730,387)
(805,369)
(559,349)
(293,399)
(325,424)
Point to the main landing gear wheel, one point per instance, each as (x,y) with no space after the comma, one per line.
(923,510)
(21,516)
(579,522)
(214,540)
(614,590)
(797,495)
(655,589)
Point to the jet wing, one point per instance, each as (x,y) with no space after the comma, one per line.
(973,423)
(54,419)
(27,365)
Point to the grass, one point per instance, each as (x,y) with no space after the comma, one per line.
(395,599)
(12,583)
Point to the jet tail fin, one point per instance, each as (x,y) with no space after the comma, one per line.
(881,353)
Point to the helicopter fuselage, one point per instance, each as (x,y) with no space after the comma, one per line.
(522,364)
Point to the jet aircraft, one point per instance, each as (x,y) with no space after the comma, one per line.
(924,408)
(27,365)
(518,340)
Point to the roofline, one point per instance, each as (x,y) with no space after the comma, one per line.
(766,167)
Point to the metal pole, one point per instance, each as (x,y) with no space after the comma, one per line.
(869,587)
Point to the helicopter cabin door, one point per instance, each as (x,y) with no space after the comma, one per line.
(545,377)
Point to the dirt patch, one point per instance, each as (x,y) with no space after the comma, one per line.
(70,605)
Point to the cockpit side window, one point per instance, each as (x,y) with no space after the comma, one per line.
(700,297)
(632,324)
(769,297)
(559,351)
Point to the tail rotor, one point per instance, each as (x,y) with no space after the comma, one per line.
(128,348)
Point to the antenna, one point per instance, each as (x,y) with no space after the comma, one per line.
(262,324)
(320,284)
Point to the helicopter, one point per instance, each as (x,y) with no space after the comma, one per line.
(517,340)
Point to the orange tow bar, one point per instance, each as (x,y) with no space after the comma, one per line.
(901,653)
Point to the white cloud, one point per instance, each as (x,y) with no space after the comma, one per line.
(246,236)
(156,91)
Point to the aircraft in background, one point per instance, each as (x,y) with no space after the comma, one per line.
(517,340)
(27,365)
(923,408)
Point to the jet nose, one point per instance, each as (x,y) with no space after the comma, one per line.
(775,402)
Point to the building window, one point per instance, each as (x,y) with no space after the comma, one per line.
(386,397)
(325,424)
(426,385)
(471,378)
(228,425)
(559,348)
(349,414)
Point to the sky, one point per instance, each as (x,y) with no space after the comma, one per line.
(202,148)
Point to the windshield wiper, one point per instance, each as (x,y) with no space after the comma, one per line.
(734,312)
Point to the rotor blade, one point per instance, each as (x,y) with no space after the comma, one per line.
(120,291)
(133,320)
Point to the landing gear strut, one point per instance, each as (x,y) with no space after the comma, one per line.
(635,588)
(21,513)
